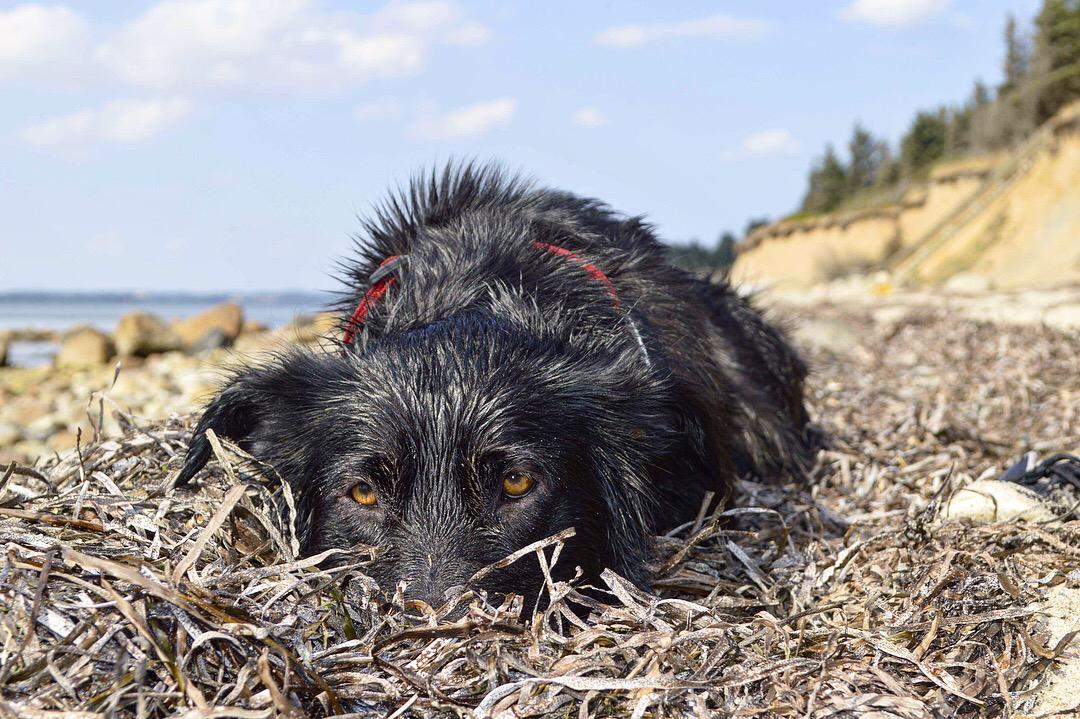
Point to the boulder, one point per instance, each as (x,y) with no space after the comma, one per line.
(212,339)
(85,347)
(253,327)
(227,319)
(5,342)
(141,334)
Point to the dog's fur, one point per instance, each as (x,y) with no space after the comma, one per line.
(489,355)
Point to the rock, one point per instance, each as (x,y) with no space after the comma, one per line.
(63,441)
(30,450)
(258,343)
(990,500)
(85,347)
(24,410)
(226,319)
(313,328)
(5,343)
(9,434)
(1063,317)
(966,283)
(141,334)
(253,326)
(43,427)
(214,338)
(892,316)
(834,336)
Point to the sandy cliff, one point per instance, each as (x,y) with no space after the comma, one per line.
(1025,230)
(1011,218)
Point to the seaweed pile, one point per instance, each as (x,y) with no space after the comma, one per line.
(122,596)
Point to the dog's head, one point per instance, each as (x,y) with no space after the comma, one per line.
(452,445)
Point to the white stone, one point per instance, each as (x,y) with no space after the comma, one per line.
(967,283)
(991,500)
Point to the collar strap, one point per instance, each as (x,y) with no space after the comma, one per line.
(387,274)
(594,272)
(379,283)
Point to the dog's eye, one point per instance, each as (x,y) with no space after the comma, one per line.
(517,484)
(364,494)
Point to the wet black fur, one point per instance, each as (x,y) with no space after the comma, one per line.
(491,355)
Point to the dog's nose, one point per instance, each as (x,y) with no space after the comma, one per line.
(434,593)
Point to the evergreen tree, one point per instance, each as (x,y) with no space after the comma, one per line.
(925,142)
(726,251)
(867,156)
(828,184)
(1017,57)
(1056,56)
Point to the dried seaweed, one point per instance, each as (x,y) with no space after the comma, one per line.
(120,595)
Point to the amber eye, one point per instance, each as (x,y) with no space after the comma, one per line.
(364,494)
(517,484)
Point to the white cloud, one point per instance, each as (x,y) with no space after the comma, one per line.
(422,17)
(384,109)
(893,13)
(193,47)
(766,143)
(770,142)
(252,45)
(469,121)
(589,117)
(41,41)
(713,26)
(469,35)
(119,121)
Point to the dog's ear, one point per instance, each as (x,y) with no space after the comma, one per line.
(232,414)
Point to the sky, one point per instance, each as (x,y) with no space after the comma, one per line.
(208,145)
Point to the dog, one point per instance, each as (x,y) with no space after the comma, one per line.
(515,361)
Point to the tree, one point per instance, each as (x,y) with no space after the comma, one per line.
(1056,59)
(867,158)
(754,223)
(725,250)
(1017,57)
(925,142)
(828,184)
(696,257)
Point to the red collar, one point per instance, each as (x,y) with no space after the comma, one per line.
(386,275)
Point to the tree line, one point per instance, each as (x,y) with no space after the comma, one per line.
(1041,74)
(697,257)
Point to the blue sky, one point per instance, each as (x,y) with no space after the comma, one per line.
(230,144)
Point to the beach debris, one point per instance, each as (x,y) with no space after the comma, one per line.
(124,597)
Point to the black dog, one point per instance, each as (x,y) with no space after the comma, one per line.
(516,361)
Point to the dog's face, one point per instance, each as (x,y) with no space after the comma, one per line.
(451,446)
